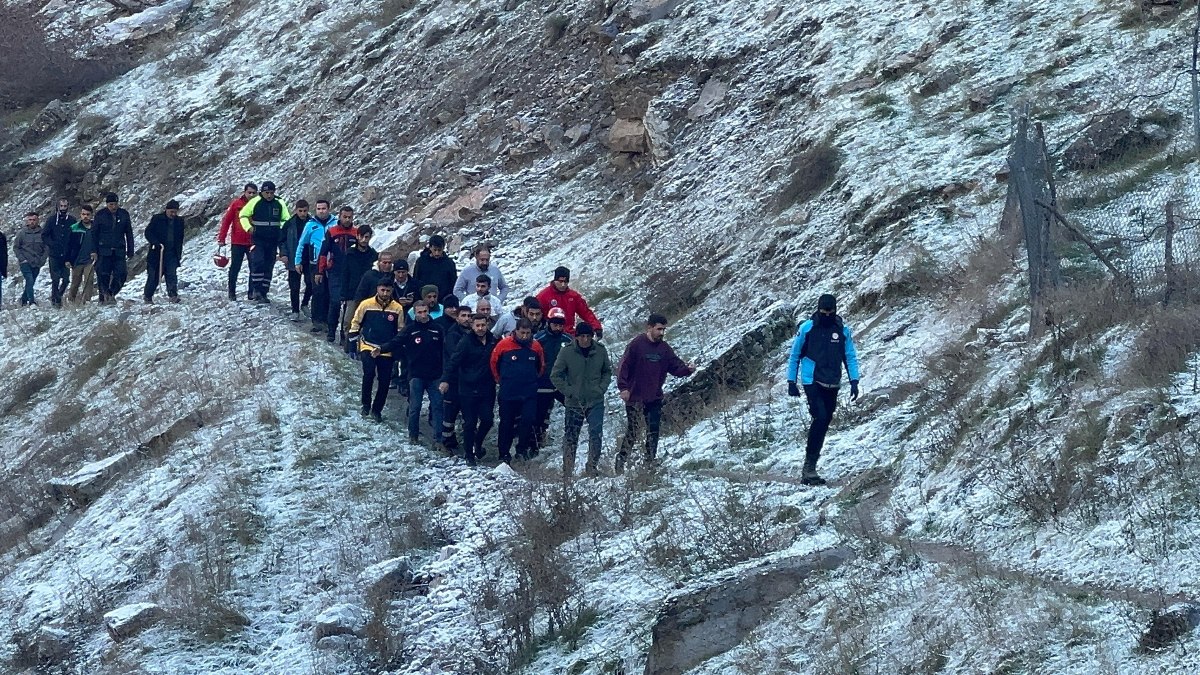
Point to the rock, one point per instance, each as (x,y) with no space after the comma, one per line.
(88,483)
(447,552)
(657,134)
(386,580)
(578,133)
(125,622)
(334,642)
(53,644)
(53,117)
(343,619)
(150,21)
(1104,140)
(982,98)
(710,97)
(503,469)
(1168,626)
(695,626)
(939,82)
(628,136)
(553,135)
(347,90)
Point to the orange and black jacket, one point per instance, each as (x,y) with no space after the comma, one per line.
(517,366)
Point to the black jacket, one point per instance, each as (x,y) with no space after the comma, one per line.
(167,233)
(353,267)
(440,272)
(411,290)
(114,233)
(552,344)
(56,234)
(369,282)
(422,345)
(469,370)
(292,230)
(3,256)
(453,334)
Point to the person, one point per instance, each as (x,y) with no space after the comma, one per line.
(529,309)
(114,246)
(468,374)
(823,344)
(263,217)
(449,317)
(553,339)
(376,323)
(30,252)
(434,267)
(644,367)
(358,261)
(331,258)
(457,326)
(82,256)
(307,250)
(517,363)
(482,266)
(3,264)
(370,279)
(408,289)
(483,291)
(422,341)
(165,236)
(430,297)
(57,235)
(560,294)
(582,372)
(484,307)
(289,244)
(239,239)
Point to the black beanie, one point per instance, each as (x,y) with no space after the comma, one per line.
(110,198)
(827,302)
(450,301)
(173,205)
(267,186)
(561,272)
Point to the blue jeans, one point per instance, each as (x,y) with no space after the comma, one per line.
(31,274)
(575,418)
(416,389)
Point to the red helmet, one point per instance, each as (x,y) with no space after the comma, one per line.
(220,259)
(557,313)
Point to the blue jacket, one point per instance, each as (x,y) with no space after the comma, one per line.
(551,345)
(313,235)
(821,346)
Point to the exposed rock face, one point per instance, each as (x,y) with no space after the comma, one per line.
(89,482)
(628,136)
(343,619)
(53,117)
(150,21)
(1111,137)
(1170,626)
(125,622)
(696,626)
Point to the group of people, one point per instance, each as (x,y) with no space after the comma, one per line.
(440,334)
(89,252)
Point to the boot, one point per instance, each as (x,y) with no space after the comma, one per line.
(809,475)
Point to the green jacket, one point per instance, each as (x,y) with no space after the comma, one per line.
(582,379)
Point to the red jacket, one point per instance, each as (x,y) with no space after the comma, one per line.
(572,305)
(240,237)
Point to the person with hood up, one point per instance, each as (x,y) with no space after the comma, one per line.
(517,364)
(30,252)
(560,294)
(435,267)
(823,345)
(57,235)
(165,236)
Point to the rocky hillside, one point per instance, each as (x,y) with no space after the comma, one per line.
(1000,504)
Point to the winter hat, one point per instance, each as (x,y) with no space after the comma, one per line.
(557,315)
(827,302)
(427,289)
(563,273)
(110,198)
(267,186)
(450,301)
(585,329)
(172,205)
(400,265)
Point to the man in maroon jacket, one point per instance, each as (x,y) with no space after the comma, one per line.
(644,368)
(238,238)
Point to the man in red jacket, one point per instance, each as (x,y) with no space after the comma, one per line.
(238,238)
(644,368)
(560,294)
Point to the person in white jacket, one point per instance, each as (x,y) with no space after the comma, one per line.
(483,291)
(482,265)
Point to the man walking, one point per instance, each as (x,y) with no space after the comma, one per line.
(434,267)
(356,263)
(3,265)
(517,363)
(238,238)
(560,294)
(482,266)
(81,255)
(114,246)
(30,251)
(456,326)
(165,236)
(263,218)
(305,262)
(365,287)
(644,368)
(529,308)
(376,323)
(822,346)
(289,243)
(483,292)
(468,374)
(552,339)
(57,235)
(422,341)
(582,373)
(331,259)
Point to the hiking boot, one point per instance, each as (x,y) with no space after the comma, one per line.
(591,470)
(415,440)
(365,412)
(469,458)
(174,299)
(480,453)
(809,476)
(148,301)
(316,329)
(377,417)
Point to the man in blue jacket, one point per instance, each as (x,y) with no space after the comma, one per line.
(822,346)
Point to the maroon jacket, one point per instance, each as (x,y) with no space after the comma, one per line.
(644,369)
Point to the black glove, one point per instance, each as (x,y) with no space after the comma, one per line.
(793,390)
(599,333)
(853,390)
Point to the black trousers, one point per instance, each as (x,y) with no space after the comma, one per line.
(294,279)
(450,409)
(641,419)
(111,271)
(545,406)
(377,374)
(822,402)
(60,276)
(320,300)
(153,274)
(478,418)
(516,423)
(262,260)
(237,254)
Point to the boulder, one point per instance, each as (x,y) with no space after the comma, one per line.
(125,622)
(53,117)
(88,483)
(628,136)
(1169,626)
(53,644)
(150,21)
(698,625)
(347,90)
(343,619)
(578,133)
(1104,140)
(710,97)
(385,580)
